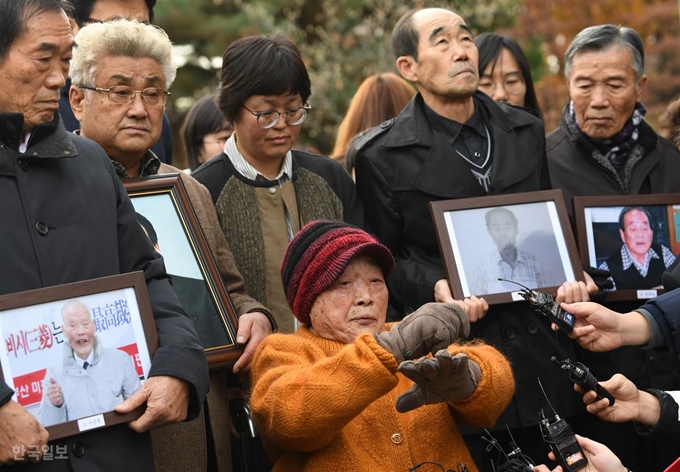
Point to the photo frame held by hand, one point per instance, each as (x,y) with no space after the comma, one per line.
(635,237)
(46,332)
(168,218)
(524,237)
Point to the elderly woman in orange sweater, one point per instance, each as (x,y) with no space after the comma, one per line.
(349,392)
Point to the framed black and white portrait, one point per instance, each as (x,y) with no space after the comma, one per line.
(494,246)
(634,237)
(73,352)
(164,211)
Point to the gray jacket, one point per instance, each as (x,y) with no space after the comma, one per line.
(106,383)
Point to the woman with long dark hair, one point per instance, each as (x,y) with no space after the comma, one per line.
(504,72)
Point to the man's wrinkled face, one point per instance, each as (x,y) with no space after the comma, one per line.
(356,303)
(35,68)
(79,329)
(446,67)
(124,130)
(637,235)
(604,89)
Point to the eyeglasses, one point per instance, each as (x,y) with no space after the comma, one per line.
(268,119)
(122,94)
(512,86)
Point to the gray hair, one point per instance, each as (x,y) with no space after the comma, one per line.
(124,38)
(72,304)
(602,37)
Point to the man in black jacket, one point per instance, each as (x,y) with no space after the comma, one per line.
(66,218)
(453,142)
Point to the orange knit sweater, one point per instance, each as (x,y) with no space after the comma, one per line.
(322,405)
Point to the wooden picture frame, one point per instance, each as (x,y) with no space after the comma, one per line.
(163,201)
(600,239)
(36,346)
(546,253)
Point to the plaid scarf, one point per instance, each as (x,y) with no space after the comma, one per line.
(616,148)
(618,154)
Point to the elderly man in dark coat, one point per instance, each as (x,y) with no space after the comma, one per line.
(604,146)
(66,217)
(454,142)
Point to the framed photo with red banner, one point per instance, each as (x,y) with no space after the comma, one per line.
(73,352)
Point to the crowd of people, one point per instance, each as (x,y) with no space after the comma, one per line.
(356,353)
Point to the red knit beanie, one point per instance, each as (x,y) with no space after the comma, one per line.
(319,254)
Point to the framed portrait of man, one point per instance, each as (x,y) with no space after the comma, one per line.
(634,237)
(493,247)
(167,217)
(73,352)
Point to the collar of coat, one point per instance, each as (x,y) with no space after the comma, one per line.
(648,138)
(59,144)
(404,133)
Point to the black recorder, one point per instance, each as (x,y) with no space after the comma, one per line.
(545,305)
(580,375)
(559,438)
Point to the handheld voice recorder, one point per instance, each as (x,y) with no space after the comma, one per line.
(545,305)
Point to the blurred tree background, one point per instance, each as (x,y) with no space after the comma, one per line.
(344,41)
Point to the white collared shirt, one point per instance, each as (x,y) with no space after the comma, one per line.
(24,144)
(244,167)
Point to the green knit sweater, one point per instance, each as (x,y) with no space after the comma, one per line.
(321,189)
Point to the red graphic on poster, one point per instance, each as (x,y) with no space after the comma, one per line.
(29,387)
(133,350)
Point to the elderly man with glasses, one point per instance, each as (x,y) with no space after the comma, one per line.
(264,192)
(86,12)
(120,74)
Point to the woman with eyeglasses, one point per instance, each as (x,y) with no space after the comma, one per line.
(204,131)
(263,190)
(504,72)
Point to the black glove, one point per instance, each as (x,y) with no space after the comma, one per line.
(442,379)
(600,277)
(434,326)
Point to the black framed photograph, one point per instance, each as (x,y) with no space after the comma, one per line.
(494,246)
(167,217)
(634,237)
(73,352)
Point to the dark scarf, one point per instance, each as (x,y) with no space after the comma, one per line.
(620,152)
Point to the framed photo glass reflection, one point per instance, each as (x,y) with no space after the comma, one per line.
(167,217)
(521,238)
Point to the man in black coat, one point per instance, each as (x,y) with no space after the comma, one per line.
(453,142)
(65,218)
